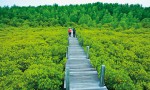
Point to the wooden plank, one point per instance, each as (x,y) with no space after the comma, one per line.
(82,75)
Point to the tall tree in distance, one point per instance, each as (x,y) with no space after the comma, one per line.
(93,15)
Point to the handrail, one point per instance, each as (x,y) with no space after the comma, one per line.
(67,54)
(102,76)
(67,72)
(87,53)
(67,79)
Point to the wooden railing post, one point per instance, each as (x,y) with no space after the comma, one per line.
(67,79)
(102,76)
(68,51)
(67,54)
(81,43)
(87,54)
(68,40)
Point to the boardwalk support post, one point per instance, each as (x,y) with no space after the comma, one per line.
(68,40)
(102,76)
(87,54)
(67,79)
(67,54)
(81,42)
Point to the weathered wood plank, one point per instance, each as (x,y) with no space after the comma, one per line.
(82,75)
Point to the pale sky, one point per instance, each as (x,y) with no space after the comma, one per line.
(144,3)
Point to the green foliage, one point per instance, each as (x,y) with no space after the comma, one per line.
(85,19)
(86,15)
(146,22)
(30,58)
(126,55)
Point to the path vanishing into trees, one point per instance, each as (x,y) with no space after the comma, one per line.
(79,73)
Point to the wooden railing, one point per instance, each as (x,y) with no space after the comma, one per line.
(102,75)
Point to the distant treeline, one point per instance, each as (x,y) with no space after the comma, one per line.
(102,15)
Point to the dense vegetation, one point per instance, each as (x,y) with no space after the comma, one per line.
(33,45)
(32,58)
(110,16)
(126,55)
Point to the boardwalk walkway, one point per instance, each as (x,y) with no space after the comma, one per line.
(82,76)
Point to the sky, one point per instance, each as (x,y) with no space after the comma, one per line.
(144,3)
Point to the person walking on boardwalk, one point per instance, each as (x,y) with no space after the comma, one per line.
(69,32)
(74,32)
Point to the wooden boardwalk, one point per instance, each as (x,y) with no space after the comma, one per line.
(82,76)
